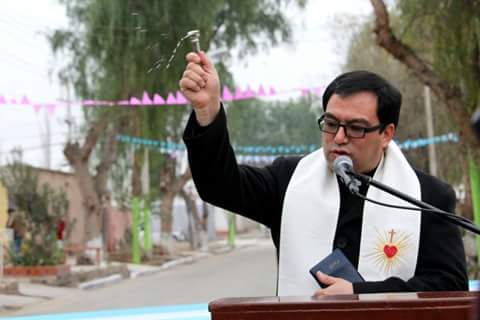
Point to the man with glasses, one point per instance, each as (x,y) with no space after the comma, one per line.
(310,213)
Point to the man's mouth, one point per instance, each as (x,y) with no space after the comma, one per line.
(339,152)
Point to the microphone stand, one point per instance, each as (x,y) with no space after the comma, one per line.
(369,181)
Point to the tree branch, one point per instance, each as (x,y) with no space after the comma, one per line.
(182,180)
(450,94)
(106,162)
(93,134)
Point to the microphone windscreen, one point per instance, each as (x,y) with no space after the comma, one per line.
(342,162)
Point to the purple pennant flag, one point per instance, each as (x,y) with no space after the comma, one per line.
(319,90)
(50,108)
(261,91)
(248,94)
(3,100)
(181,98)
(305,91)
(146,101)
(227,95)
(238,94)
(158,100)
(37,107)
(171,99)
(25,100)
(104,103)
(134,101)
(272,91)
(89,102)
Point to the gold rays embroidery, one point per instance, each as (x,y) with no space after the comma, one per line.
(388,250)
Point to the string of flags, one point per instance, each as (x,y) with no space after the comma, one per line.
(157,100)
(262,154)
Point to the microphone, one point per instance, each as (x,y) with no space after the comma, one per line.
(343,168)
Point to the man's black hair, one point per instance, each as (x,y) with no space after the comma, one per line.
(388,97)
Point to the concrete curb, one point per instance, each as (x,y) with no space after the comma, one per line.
(100,282)
(15,302)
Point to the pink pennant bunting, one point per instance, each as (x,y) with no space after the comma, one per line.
(261,91)
(25,100)
(89,103)
(248,94)
(146,99)
(227,95)
(134,101)
(123,103)
(171,99)
(50,108)
(13,101)
(238,94)
(305,91)
(272,91)
(37,107)
(319,90)
(105,103)
(181,98)
(158,100)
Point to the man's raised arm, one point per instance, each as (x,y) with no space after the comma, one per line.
(201,86)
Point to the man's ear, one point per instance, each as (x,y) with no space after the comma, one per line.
(387,134)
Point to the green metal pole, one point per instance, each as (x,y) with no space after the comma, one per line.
(475,186)
(135,230)
(147,232)
(231,230)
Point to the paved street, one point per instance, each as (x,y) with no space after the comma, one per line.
(245,272)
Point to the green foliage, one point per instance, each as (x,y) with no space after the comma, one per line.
(112,44)
(41,209)
(364,54)
(31,254)
(452,45)
(255,122)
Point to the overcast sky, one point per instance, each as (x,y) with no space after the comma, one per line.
(313,59)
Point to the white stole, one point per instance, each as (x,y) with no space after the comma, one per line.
(390,237)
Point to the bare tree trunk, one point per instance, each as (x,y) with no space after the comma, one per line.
(170,186)
(166,209)
(86,183)
(204,227)
(467,205)
(137,160)
(193,218)
(93,188)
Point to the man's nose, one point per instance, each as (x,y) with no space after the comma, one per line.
(341,136)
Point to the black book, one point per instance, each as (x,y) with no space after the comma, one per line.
(336,265)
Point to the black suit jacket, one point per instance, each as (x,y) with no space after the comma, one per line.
(258,194)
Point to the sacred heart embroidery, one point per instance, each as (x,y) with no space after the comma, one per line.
(389,249)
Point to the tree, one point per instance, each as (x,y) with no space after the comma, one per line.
(455,75)
(453,70)
(256,122)
(41,210)
(364,54)
(111,46)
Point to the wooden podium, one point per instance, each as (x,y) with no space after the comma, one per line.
(388,306)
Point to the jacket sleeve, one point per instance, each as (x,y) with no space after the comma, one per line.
(250,191)
(441,264)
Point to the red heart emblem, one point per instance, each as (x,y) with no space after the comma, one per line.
(390,251)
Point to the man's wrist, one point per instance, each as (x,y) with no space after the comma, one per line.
(207,115)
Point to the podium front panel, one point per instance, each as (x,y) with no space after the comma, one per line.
(391,306)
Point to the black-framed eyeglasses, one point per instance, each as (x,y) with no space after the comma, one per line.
(352,130)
